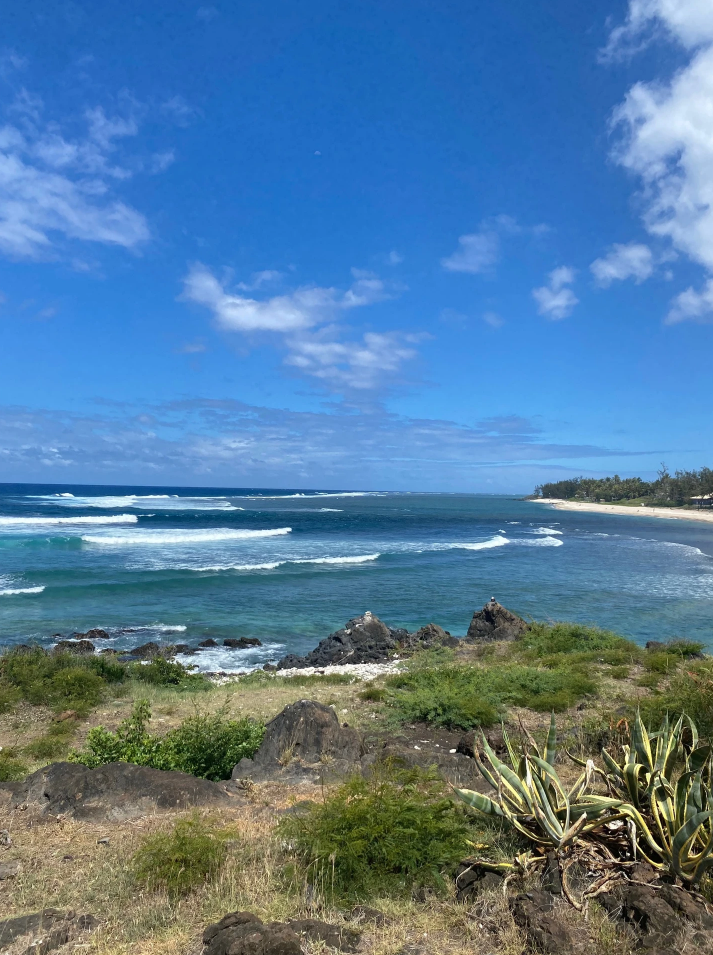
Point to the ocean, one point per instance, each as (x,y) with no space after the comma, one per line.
(289,567)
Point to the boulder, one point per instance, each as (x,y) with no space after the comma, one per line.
(304,740)
(427,638)
(147,651)
(472,742)
(339,937)
(207,644)
(534,913)
(8,870)
(95,634)
(116,791)
(74,646)
(242,933)
(456,768)
(472,880)
(364,639)
(184,649)
(242,643)
(659,912)
(495,622)
(44,931)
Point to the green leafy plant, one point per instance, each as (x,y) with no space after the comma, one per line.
(379,835)
(531,797)
(672,812)
(163,672)
(203,745)
(11,766)
(182,860)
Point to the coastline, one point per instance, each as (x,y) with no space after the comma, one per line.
(705,517)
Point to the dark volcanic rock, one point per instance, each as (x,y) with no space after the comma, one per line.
(533,912)
(473,740)
(96,634)
(184,649)
(242,642)
(44,931)
(207,644)
(242,933)
(427,638)
(363,640)
(305,739)
(147,651)
(659,912)
(494,622)
(472,879)
(116,791)
(74,646)
(456,768)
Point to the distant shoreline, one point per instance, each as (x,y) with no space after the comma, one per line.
(669,513)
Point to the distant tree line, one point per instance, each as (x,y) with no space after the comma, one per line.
(668,489)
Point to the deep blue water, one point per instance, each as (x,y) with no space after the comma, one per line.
(290,567)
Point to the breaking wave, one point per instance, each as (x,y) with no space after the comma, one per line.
(159,537)
(53,521)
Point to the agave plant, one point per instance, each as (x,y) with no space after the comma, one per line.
(673,817)
(532,799)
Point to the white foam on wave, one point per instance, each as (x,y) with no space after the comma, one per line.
(540,542)
(159,537)
(546,531)
(162,502)
(273,565)
(61,521)
(497,541)
(232,660)
(287,497)
(13,591)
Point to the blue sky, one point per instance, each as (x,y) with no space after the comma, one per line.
(396,245)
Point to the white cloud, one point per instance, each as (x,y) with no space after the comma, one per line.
(478,253)
(394,258)
(179,110)
(53,188)
(161,161)
(305,318)
(493,319)
(692,306)
(690,22)
(555,300)
(633,260)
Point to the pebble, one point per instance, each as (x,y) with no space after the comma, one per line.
(360,671)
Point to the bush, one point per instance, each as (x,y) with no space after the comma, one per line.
(543,640)
(163,672)
(55,742)
(691,692)
(373,694)
(203,745)
(461,697)
(179,861)
(60,680)
(379,835)
(11,767)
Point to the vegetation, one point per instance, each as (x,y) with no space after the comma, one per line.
(203,745)
(179,861)
(163,672)
(667,490)
(11,766)
(690,692)
(379,835)
(461,697)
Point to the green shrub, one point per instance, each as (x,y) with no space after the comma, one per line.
(163,672)
(10,696)
(681,648)
(379,835)
(60,680)
(543,639)
(179,861)
(203,745)
(54,744)
(619,672)
(373,694)
(661,662)
(11,766)
(690,692)
(461,697)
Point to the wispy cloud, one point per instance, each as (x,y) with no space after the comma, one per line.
(179,111)
(692,306)
(306,321)
(54,189)
(556,300)
(479,252)
(631,261)
(228,442)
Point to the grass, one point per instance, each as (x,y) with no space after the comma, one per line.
(543,640)
(379,836)
(179,861)
(12,767)
(690,691)
(460,697)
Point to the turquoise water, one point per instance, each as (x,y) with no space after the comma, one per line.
(290,567)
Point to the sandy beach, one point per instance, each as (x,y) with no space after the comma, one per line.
(669,513)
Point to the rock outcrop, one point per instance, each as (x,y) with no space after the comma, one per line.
(242,643)
(364,639)
(116,791)
(74,646)
(495,622)
(242,933)
(95,634)
(427,638)
(45,931)
(659,913)
(534,913)
(147,651)
(305,740)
